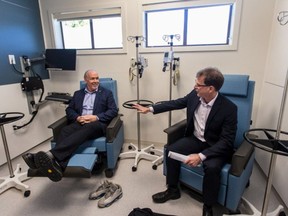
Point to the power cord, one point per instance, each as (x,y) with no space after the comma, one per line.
(20,72)
(34,113)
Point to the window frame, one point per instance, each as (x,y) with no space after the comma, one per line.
(158,5)
(75,13)
(90,21)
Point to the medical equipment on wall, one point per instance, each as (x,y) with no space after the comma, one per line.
(148,153)
(30,82)
(172,64)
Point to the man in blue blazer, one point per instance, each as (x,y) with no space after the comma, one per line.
(209,136)
(89,112)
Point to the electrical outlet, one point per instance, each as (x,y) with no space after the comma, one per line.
(11,59)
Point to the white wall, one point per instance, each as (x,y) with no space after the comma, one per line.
(154,85)
(261,51)
(14,100)
(271,96)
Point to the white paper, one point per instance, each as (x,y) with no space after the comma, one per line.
(177,156)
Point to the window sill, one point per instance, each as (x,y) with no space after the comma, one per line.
(101,52)
(189,49)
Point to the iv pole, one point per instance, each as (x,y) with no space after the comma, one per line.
(148,153)
(280,19)
(277,136)
(166,38)
(274,156)
(137,44)
(279,211)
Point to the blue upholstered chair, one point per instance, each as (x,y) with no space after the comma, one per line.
(235,175)
(103,149)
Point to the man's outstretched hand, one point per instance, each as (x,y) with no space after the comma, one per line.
(141,109)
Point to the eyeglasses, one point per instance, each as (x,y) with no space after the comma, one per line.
(199,85)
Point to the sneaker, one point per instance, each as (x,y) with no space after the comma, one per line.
(100,191)
(113,194)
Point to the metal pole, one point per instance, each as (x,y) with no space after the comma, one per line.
(166,38)
(138,97)
(274,156)
(7,151)
(170,84)
(138,64)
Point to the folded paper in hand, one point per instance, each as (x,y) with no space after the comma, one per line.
(177,156)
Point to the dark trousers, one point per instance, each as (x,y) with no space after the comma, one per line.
(212,167)
(72,136)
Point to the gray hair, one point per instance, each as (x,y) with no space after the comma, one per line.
(87,71)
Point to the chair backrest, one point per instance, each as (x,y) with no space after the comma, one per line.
(107,83)
(240,90)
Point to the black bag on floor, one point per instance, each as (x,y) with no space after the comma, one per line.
(145,212)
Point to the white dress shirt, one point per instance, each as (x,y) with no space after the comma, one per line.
(88,102)
(200,118)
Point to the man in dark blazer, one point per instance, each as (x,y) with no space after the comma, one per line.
(89,112)
(209,136)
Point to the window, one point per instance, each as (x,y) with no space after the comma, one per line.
(93,33)
(99,29)
(161,23)
(73,30)
(210,26)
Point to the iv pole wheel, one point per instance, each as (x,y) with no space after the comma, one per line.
(154,167)
(109,173)
(134,168)
(27,193)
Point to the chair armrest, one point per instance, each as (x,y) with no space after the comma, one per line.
(57,126)
(176,131)
(240,158)
(113,128)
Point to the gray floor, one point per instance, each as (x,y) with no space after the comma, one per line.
(70,196)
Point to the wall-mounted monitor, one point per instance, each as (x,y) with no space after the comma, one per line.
(60,59)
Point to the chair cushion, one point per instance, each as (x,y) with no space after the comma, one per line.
(99,143)
(235,85)
(86,161)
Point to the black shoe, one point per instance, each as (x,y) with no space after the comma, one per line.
(48,166)
(207,211)
(164,196)
(29,160)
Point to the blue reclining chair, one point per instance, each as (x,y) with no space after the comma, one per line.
(91,152)
(235,175)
